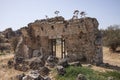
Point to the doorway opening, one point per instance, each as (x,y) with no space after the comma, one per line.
(58,47)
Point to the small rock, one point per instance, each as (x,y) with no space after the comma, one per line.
(52,61)
(47,78)
(81,77)
(75,64)
(36,63)
(20,76)
(10,63)
(36,53)
(33,75)
(110,78)
(21,67)
(27,77)
(89,65)
(63,62)
(44,71)
(19,60)
(51,65)
(61,70)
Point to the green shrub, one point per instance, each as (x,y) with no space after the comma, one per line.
(90,74)
(114,74)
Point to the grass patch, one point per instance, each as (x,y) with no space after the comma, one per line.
(90,74)
(114,74)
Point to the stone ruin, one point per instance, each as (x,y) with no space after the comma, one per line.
(6,38)
(55,43)
(75,39)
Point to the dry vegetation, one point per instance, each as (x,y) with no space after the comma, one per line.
(6,73)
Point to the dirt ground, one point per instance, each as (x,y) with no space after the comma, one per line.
(111,58)
(6,73)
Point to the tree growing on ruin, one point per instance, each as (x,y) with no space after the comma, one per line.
(83,14)
(76,12)
(57,12)
(75,16)
(46,16)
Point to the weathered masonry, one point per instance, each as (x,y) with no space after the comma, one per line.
(78,39)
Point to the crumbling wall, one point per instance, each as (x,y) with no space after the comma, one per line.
(82,38)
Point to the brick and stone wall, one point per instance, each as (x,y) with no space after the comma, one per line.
(82,38)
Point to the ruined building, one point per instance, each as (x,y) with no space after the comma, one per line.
(77,39)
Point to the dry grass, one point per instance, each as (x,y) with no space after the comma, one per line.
(5,72)
(111,58)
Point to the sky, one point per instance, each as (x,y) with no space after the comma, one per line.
(18,13)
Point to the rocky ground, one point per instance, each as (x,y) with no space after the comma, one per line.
(6,73)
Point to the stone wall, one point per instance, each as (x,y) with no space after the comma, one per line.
(82,38)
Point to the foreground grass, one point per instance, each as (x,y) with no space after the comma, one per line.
(90,74)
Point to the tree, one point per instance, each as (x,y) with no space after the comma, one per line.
(82,14)
(57,12)
(75,16)
(111,37)
(46,16)
(76,12)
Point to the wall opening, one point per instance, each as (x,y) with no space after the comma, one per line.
(52,27)
(42,28)
(58,47)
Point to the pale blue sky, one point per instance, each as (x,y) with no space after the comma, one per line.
(18,13)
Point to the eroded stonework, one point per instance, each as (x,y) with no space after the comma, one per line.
(80,39)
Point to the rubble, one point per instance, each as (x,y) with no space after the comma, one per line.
(63,62)
(61,70)
(110,78)
(36,63)
(81,77)
(51,61)
(18,77)
(44,71)
(32,75)
(47,78)
(75,64)
(10,63)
